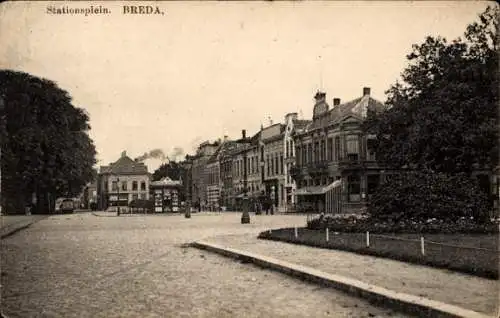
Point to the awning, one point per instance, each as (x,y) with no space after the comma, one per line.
(315,190)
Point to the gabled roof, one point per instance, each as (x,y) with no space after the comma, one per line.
(301,123)
(125,165)
(357,107)
(166,181)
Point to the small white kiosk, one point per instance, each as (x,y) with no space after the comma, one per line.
(166,194)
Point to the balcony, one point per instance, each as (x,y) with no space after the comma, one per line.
(351,162)
(317,168)
(296,173)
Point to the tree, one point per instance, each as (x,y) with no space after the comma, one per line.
(172,169)
(444,116)
(46,149)
(442,123)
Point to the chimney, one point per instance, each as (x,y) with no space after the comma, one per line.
(336,101)
(124,153)
(225,137)
(320,96)
(366,91)
(293,116)
(244,134)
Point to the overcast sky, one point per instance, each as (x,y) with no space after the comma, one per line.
(205,70)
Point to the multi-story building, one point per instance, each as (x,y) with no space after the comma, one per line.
(293,126)
(213,184)
(121,182)
(333,147)
(247,148)
(272,160)
(199,174)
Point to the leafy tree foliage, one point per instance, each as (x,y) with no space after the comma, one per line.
(444,116)
(442,122)
(175,171)
(172,169)
(420,195)
(46,149)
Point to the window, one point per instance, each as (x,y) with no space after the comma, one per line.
(352,143)
(316,152)
(354,188)
(287,149)
(323,151)
(372,183)
(282,164)
(309,153)
(143,196)
(337,148)
(370,144)
(143,186)
(134,196)
(114,186)
(329,150)
(268,165)
(134,186)
(298,159)
(124,185)
(277,164)
(304,155)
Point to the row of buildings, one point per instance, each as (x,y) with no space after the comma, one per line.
(319,164)
(293,165)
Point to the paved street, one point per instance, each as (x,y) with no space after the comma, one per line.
(83,265)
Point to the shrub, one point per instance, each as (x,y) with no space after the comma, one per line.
(354,224)
(426,195)
(142,204)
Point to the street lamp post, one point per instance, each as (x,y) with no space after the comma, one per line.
(118,197)
(245,217)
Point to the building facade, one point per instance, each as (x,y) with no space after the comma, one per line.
(333,147)
(199,176)
(272,160)
(246,148)
(121,182)
(293,126)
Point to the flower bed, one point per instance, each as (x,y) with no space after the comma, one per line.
(362,224)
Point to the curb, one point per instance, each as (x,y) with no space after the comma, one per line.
(406,303)
(20,228)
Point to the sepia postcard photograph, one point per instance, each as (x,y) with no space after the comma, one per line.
(249,159)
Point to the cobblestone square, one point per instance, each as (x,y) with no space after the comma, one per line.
(83,265)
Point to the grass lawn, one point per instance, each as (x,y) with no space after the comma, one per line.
(476,254)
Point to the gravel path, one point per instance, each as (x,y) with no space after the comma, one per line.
(86,266)
(466,291)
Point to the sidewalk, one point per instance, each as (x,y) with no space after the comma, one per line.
(469,292)
(10,224)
